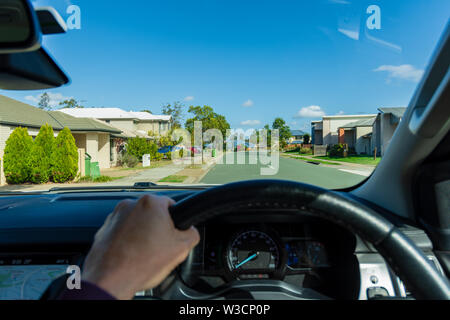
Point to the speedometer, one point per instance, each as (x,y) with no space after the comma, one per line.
(253,251)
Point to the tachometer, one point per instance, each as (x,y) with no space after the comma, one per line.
(253,251)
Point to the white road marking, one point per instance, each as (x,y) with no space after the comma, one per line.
(359,172)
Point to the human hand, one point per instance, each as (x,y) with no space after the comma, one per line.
(137,247)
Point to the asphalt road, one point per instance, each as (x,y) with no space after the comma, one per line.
(289,169)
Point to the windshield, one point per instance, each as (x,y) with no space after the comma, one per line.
(211,92)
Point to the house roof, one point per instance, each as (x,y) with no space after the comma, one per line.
(148,116)
(99,113)
(16,113)
(360,123)
(398,112)
(132,134)
(113,113)
(295,133)
(356,116)
(82,124)
(13,112)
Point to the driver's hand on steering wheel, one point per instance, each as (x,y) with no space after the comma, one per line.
(137,247)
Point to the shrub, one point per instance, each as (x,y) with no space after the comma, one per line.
(181,153)
(337,150)
(157,156)
(169,155)
(129,160)
(41,155)
(291,149)
(138,147)
(17,156)
(305,151)
(65,157)
(153,149)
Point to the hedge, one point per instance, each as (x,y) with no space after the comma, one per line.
(65,157)
(16,158)
(42,154)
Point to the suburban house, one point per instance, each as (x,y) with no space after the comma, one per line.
(91,136)
(353,130)
(296,137)
(357,135)
(131,124)
(384,127)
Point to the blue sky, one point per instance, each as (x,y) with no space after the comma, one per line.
(250,60)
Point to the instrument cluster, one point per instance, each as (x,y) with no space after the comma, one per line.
(259,251)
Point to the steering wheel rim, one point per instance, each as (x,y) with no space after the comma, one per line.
(403,256)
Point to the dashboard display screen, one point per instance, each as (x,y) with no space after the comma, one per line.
(27,282)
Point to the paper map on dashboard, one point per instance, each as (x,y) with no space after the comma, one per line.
(27,282)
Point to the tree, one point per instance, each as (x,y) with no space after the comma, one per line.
(65,157)
(285,132)
(70,103)
(44,101)
(176,111)
(41,155)
(269,135)
(209,119)
(146,110)
(306,138)
(17,156)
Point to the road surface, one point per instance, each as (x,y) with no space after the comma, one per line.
(289,169)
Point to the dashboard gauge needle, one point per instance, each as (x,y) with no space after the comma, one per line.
(253,256)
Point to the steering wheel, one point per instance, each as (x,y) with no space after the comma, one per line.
(403,256)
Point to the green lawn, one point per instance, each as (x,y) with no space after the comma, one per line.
(174,178)
(315,160)
(354,159)
(98,179)
(153,164)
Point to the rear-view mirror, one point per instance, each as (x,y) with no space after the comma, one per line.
(19,27)
(34,70)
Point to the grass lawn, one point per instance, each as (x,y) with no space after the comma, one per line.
(153,164)
(354,159)
(315,160)
(99,179)
(174,178)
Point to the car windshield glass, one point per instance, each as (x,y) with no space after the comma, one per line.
(184,93)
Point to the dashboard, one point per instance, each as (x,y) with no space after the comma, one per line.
(307,254)
(42,234)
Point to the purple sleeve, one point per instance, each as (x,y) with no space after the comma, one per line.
(88,291)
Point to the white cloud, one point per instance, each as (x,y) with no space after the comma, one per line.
(189,98)
(55,99)
(403,72)
(310,112)
(340,113)
(248,103)
(250,123)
